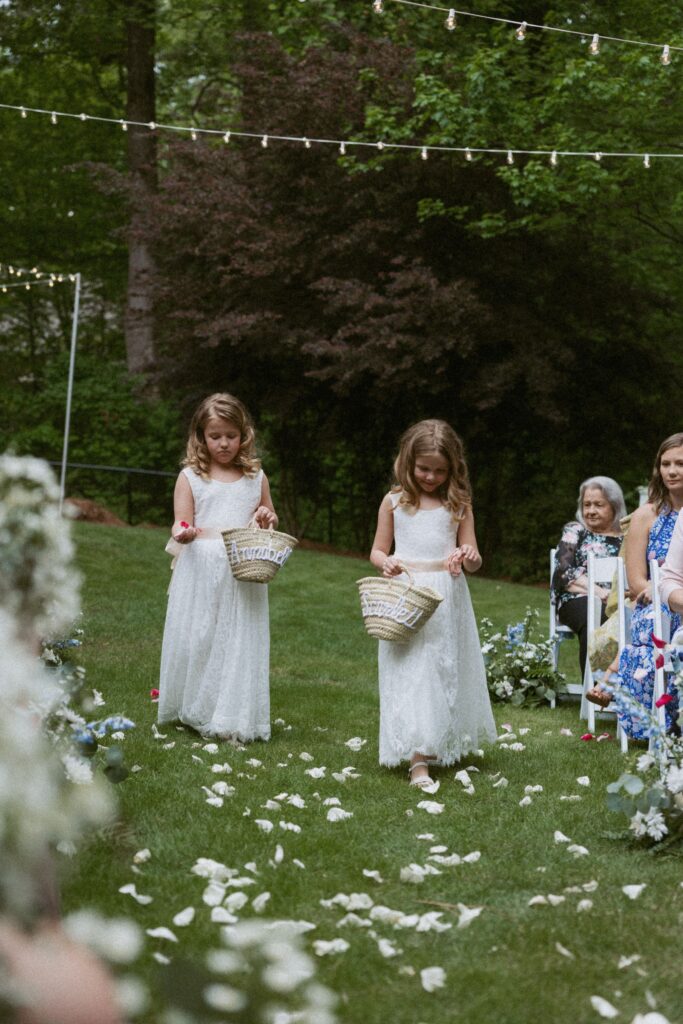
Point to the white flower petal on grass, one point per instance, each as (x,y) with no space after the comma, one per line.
(472,858)
(584,780)
(338,814)
(572,798)
(184,917)
(224,998)
(590,886)
(431,922)
(332,801)
(131,890)
(142,856)
(223,789)
(316,773)
(221,769)
(214,801)
(259,903)
(533,789)
(467,915)
(435,785)
(221,915)
(305,756)
(554,899)
(354,921)
(355,743)
(524,731)
(271,805)
(603,1007)
(577,851)
(626,961)
(584,905)
(156,734)
(197,760)
(538,901)
(414,873)
(566,732)
(633,891)
(161,959)
(168,746)
(525,801)
(299,863)
(254,762)
(650,1018)
(289,826)
(240,883)
(374,875)
(463,777)
(429,837)
(264,824)
(563,951)
(296,801)
(325,948)
(501,783)
(210,748)
(162,933)
(279,854)
(386,948)
(213,894)
(560,837)
(432,978)
(235,901)
(431,806)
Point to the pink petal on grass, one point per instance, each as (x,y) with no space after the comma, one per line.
(587,736)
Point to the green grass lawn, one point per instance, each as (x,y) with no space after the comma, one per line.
(508,966)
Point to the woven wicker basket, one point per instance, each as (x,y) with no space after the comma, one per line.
(255,555)
(393,609)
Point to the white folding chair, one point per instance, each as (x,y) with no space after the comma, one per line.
(661,627)
(557,631)
(602,570)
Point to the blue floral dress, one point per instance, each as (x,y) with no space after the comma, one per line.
(637,660)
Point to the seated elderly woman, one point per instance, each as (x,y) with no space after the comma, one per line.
(595,529)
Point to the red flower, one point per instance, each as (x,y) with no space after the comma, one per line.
(154,694)
(659,661)
(667,698)
(587,736)
(184,525)
(657,642)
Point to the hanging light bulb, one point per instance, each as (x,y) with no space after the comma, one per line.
(424,153)
(193,135)
(83,117)
(666,56)
(451,21)
(27,287)
(553,158)
(307,143)
(520,32)
(124,125)
(468,155)
(152,126)
(594,46)
(510,157)
(597,157)
(53,117)
(646,161)
(52,284)
(380,145)
(4,289)
(378,6)
(264,142)
(226,137)
(342,148)
(23,112)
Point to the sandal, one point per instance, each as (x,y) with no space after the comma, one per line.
(424,780)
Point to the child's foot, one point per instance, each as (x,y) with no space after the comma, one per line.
(419,774)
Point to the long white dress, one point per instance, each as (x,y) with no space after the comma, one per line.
(215,652)
(432,690)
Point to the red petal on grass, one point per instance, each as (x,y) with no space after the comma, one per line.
(657,642)
(664,700)
(587,736)
(154,694)
(604,736)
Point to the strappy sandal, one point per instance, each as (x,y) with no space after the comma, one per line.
(424,780)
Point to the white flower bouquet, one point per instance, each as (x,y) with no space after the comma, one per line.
(519,664)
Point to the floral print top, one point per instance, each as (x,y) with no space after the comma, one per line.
(571,557)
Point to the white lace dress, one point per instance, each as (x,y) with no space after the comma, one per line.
(432,690)
(214,658)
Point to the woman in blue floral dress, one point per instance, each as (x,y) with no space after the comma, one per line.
(649,537)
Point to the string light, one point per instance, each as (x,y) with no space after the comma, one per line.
(226,137)
(424,154)
(646,161)
(342,148)
(594,47)
(83,117)
(510,157)
(264,142)
(468,155)
(124,125)
(553,158)
(665,59)
(520,32)
(380,145)
(23,112)
(378,6)
(193,135)
(53,117)
(597,157)
(152,125)
(307,143)
(451,20)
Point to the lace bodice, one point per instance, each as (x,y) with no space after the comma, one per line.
(220,505)
(425,535)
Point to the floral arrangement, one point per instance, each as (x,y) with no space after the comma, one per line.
(651,797)
(519,663)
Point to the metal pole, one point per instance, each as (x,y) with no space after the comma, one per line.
(69,390)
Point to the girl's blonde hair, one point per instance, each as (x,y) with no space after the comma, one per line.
(433,437)
(224,407)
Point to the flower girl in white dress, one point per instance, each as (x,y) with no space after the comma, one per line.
(214,658)
(434,702)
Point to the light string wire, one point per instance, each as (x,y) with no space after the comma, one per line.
(343,144)
(28,285)
(584,34)
(36,275)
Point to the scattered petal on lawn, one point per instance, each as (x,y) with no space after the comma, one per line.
(560,837)
(432,978)
(235,901)
(525,801)
(374,875)
(524,731)
(271,805)
(431,806)
(323,948)
(296,801)
(210,748)
(603,1008)
(584,905)
(603,736)
(414,873)
(167,746)
(590,886)
(184,917)
(572,798)
(355,921)
(240,883)
(472,858)
(554,900)
(299,863)
(584,780)
(264,824)
(533,789)
(156,734)
(467,915)
(316,773)
(338,814)
(162,933)
(142,856)
(305,756)
(587,736)
(223,789)
(512,746)
(289,826)
(332,801)
(161,959)
(355,743)
(566,732)
(626,961)
(215,801)
(130,890)
(197,760)
(502,783)
(577,851)
(259,903)
(279,854)
(254,762)
(386,948)
(463,777)
(431,922)
(221,915)
(633,891)
(538,901)
(224,998)
(563,951)
(430,838)
(221,769)
(214,894)
(650,1018)
(137,768)
(434,786)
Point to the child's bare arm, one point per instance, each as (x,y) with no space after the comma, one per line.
(183,529)
(384,538)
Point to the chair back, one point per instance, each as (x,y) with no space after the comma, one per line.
(661,627)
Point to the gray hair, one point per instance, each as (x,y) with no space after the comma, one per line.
(613,493)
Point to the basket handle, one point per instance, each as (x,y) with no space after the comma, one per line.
(254,525)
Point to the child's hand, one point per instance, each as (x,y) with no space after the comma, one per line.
(186,534)
(391,567)
(645,596)
(454,562)
(265,517)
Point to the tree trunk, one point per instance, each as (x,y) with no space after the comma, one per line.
(142,165)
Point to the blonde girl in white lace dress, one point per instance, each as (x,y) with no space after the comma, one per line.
(434,703)
(215,652)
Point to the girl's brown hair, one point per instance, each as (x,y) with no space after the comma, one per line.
(656,491)
(433,437)
(224,407)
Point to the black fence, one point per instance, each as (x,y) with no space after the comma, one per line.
(136,495)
